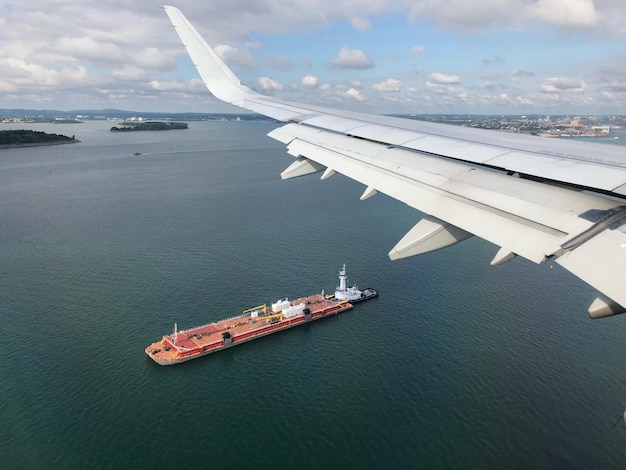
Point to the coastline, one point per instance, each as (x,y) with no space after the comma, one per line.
(39,144)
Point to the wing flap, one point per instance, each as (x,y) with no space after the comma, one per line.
(509,212)
(601,262)
(606,178)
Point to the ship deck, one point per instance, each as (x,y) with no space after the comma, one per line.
(206,338)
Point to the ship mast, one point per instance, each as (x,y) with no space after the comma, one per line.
(343,279)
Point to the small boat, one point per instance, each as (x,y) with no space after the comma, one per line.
(136,153)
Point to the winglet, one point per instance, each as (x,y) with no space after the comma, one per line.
(218,78)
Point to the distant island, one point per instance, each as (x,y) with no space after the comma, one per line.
(129,126)
(27,138)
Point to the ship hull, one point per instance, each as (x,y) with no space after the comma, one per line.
(222,347)
(175,349)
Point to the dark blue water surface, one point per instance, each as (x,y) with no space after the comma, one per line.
(456,365)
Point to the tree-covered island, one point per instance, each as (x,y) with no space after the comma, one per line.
(28,138)
(149,126)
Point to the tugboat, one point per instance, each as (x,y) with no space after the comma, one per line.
(351,294)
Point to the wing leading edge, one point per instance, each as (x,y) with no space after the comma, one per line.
(524,194)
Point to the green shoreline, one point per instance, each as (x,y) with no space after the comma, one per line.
(127,126)
(38,144)
(29,138)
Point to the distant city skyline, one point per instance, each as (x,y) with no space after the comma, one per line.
(380,56)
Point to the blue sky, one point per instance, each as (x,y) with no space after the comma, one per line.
(419,56)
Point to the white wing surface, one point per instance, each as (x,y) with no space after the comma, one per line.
(542,199)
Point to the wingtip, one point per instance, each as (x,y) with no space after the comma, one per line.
(169,8)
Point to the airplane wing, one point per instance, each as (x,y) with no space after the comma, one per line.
(539,198)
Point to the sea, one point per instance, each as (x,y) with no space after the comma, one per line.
(456,365)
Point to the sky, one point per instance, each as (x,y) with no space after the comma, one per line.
(379,56)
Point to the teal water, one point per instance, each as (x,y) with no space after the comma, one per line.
(456,365)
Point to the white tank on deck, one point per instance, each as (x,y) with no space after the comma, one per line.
(280,305)
(294,310)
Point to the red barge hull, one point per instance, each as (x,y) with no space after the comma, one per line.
(182,346)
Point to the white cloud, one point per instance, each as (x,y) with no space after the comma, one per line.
(34,75)
(236,56)
(7,87)
(86,48)
(565,13)
(561,85)
(355,95)
(351,59)
(310,81)
(391,84)
(153,58)
(361,23)
(267,84)
(253,45)
(442,79)
(130,73)
(167,85)
(128,52)
(465,16)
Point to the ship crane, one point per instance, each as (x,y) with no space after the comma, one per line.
(268,318)
(258,307)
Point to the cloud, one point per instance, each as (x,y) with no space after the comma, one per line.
(525,101)
(440,83)
(611,79)
(443,79)
(310,81)
(282,62)
(361,23)
(267,84)
(391,84)
(495,60)
(154,59)
(167,85)
(560,84)
(522,73)
(464,16)
(236,56)
(86,48)
(578,14)
(351,59)
(129,73)
(37,76)
(355,94)
(128,52)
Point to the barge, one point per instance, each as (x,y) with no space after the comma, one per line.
(253,323)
